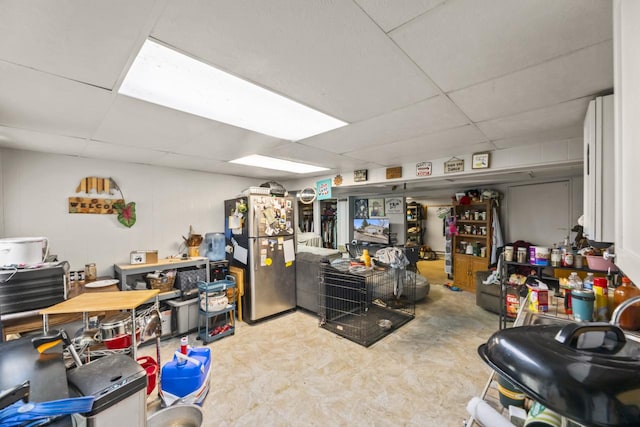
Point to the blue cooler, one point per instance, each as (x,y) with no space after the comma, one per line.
(187,380)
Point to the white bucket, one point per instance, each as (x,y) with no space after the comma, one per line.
(23,250)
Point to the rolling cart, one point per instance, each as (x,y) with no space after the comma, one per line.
(216,311)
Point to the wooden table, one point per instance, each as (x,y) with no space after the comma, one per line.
(102,301)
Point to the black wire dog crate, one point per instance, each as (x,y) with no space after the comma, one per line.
(365,305)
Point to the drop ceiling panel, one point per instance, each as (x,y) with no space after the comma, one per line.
(122,153)
(550,135)
(428,116)
(86,41)
(390,15)
(327,55)
(450,142)
(586,72)
(570,113)
(143,124)
(44,142)
(225,142)
(314,156)
(42,102)
(465,42)
(208,165)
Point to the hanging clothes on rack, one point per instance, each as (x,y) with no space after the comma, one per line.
(497,241)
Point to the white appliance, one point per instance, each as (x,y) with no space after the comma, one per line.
(599,189)
(19,251)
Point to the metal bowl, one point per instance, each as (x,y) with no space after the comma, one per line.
(176,416)
(385,324)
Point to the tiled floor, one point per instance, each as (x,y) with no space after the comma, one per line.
(287,371)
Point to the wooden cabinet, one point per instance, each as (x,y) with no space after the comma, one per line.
(414,224)
(472,243)
(464,270)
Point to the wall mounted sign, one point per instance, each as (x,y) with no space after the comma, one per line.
(93,205)
(393,205)
(480,161)
(393,173)
(454,165)
(423,169)
(307,195)
(323,189)
(86,205)
(360,175)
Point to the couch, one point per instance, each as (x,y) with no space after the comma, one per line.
(487,296)
(308,260)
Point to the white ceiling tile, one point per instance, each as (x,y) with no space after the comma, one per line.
(470,41)
(143,124)
(85,41)
(566,114)
(45,142)
(391,14)
(315,156)
(33,100)
(450,142)
(586,72)
(327,55)
(122,153)
(550,135)
(428,116)
(225,142)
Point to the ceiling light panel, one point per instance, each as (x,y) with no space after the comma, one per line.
(163,76)
(277,164)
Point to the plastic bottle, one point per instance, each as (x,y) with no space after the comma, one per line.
(575,281)
(184,343)
(630,318)
(600,306)
(366,257)
(589,281)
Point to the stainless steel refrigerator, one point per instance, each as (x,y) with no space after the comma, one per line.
(260,229)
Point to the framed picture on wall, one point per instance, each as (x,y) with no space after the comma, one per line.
(376,207)
(480,161)
(361,209)
(393,205)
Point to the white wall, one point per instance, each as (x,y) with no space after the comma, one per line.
(36,188)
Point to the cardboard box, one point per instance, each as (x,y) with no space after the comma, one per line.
(143,257)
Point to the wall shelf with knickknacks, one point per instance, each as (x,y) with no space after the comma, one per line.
(472,243)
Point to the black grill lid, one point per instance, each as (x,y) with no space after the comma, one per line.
(587,372)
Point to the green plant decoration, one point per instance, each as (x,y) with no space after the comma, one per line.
(126,211)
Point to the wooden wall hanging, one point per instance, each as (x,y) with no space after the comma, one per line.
(108,206)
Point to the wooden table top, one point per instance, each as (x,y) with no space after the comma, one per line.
(102,301)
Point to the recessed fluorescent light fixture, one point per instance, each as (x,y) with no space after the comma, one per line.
(163,76)
(277,164)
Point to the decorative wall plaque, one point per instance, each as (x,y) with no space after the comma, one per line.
(393,173)
(454,165)
(360,175)
(423,169)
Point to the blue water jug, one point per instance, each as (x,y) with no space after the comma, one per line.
(182,378)
(215,246)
